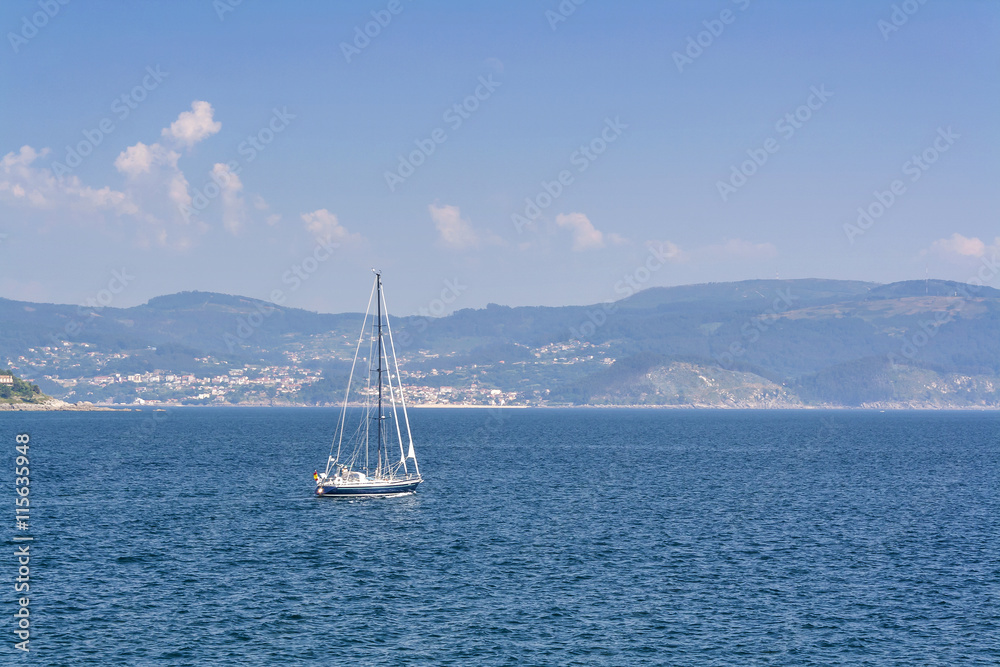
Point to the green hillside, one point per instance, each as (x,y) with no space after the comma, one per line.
(18,391)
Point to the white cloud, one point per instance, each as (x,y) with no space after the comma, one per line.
(156,190)
(193,126)
(324,225)
(454,231)
(24,184)
(153,169)
(261,204)
(958,246)
(136,159)
(670,250)
(177,190)
(975,259)
(230,186)
(140,159)
(585,235)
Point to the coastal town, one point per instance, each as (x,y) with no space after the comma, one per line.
(80,373)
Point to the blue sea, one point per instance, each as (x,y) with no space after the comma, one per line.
(540,537)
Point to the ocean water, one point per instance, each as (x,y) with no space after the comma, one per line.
(540,537)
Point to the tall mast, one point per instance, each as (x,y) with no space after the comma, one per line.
(378,284)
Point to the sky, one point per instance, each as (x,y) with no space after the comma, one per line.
(519,153)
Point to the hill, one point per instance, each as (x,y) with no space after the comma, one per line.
(190,322)
(14,390)
(752,343)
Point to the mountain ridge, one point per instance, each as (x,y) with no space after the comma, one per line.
(813,341)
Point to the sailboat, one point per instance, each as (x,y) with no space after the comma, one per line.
(363,459)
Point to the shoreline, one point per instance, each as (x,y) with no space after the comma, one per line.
(61,406)
(57,405)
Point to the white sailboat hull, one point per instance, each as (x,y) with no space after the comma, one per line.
(368,487)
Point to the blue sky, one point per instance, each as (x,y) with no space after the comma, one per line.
(692,166)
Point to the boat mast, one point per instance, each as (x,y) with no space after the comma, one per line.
(378,285)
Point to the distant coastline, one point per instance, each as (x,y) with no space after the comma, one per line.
(61,406)
(759,344)
(56,405)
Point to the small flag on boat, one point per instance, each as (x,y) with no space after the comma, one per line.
(315,475)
